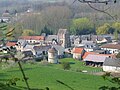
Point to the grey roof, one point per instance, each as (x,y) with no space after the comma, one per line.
(27,53)
(51,37)
(112,62)
(59,48)
(95,58)
(89,44)
(41,48)
(29,47)
(22,42)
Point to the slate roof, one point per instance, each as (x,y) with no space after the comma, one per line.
(41,48)
(112,62)
(59,48)
(51,37)
(22,42)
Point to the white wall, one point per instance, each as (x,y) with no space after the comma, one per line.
(111,69)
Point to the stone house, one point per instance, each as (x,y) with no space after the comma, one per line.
(78,53)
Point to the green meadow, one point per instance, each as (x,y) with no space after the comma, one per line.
(51,75)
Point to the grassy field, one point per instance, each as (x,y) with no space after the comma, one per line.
(42,76)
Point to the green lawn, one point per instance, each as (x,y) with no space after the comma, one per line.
(41,76)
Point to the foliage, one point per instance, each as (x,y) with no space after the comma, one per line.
(28,32)
(112,79)
(66,65)
(116,26)
(56,17)
(118,55)
(116,35)
(103,29)
(81,26)
(47,31)
(12,81)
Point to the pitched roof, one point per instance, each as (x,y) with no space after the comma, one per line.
(78,50)
(112,62)
(32,37)
(11,44)
(87,53)
(94,53)
(41,48)
(112,46)
(51,37)
(96,57)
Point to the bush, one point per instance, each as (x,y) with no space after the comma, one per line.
(66,65)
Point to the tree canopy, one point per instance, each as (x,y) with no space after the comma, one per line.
(82,26)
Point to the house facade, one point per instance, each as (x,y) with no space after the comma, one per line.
(89,45)
(111,48)
(33,39)
(111,65)
(78,53)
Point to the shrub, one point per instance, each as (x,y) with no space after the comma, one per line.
(66,65)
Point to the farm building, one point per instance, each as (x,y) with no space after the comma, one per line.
(96,59)
(111,65)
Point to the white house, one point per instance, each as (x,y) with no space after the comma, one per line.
(33,39)
(111,48)
(89,46)
(111,65)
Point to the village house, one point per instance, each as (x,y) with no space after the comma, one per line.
(75,40)
(78,53)
(21,44)
(11,44)
(40,51)
(64,38)
(89,45)
(60,50)
(111,65)
(33,39)
(111,48)
(51,39)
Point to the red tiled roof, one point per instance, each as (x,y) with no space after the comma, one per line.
(93,53)
(112,46)
(32,37)
(11,44)
(77,50)
(87,53)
